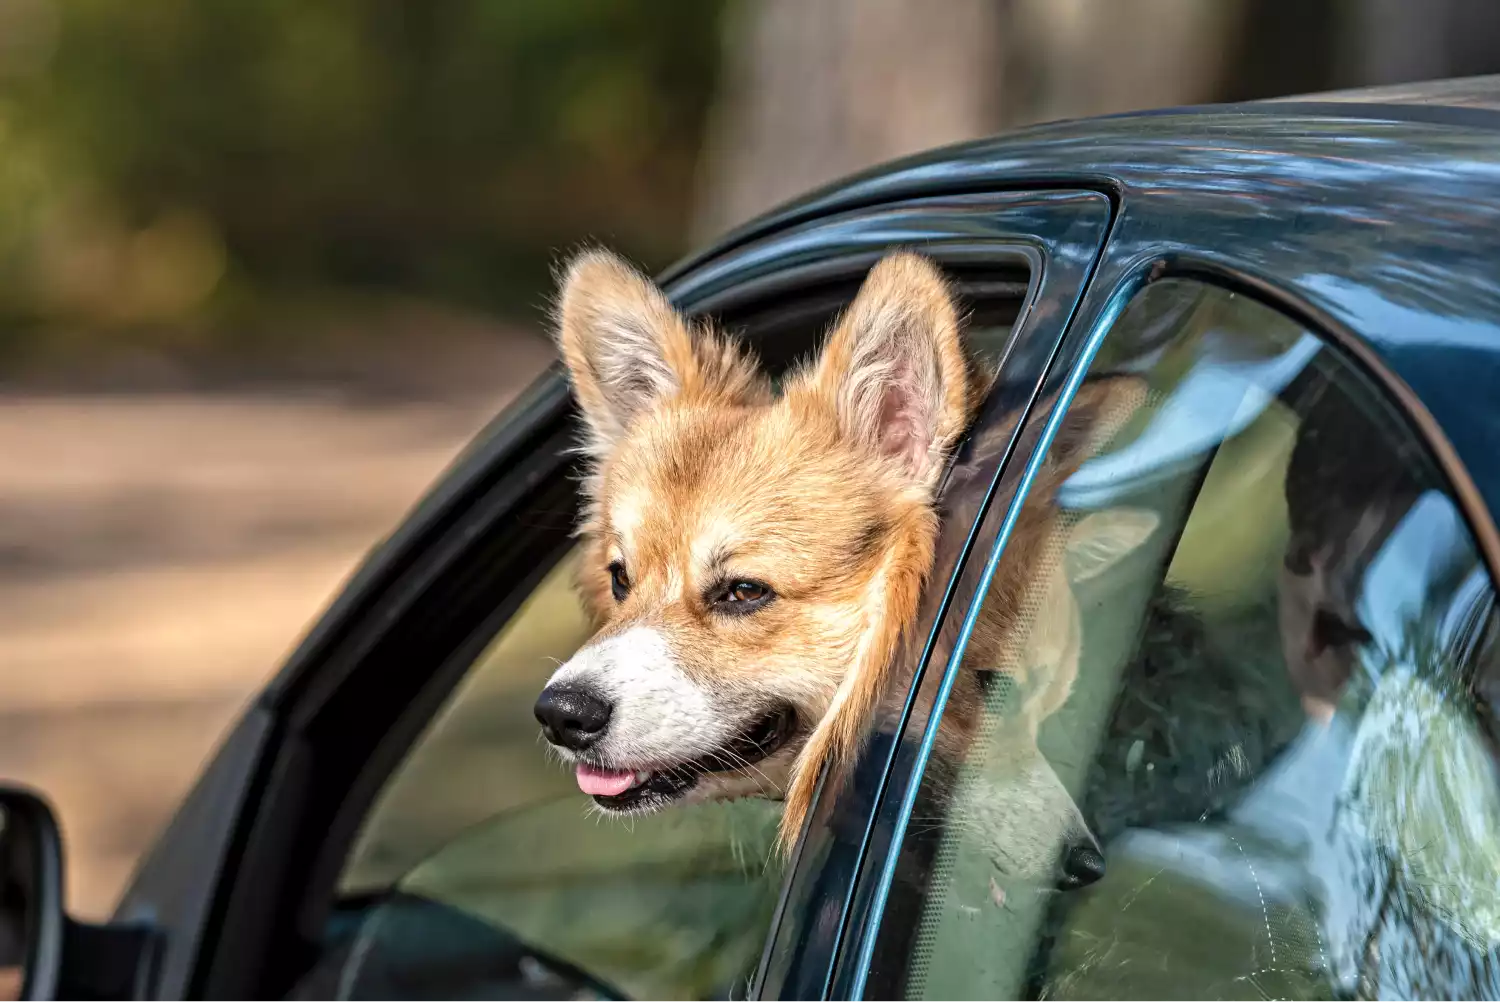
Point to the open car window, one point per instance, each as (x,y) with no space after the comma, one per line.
(1241,744)
(482,872)
(482,822)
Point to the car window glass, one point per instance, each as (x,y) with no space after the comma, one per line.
(481,871)
(1264,763)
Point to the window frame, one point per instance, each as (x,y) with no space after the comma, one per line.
(1123,276)
(818,895)
(295,778)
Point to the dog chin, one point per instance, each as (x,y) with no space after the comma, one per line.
(754,764)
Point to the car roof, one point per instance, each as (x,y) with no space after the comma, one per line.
(1378,210)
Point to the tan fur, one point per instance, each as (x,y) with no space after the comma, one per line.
(626,346)
(825,493)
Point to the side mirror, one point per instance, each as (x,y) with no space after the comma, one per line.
(32,920)
(44,954)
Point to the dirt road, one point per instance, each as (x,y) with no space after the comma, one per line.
(158,556)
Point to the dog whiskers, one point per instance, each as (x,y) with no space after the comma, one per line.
(739,761)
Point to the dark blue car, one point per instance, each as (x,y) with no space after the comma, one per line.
(1284,728)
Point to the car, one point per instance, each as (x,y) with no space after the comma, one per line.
(1283,727)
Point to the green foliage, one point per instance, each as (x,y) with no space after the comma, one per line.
(179,163)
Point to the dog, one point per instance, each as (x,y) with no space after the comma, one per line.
(754,559)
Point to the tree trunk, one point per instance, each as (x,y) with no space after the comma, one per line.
(1076,58)
(1398,41)
(817,89)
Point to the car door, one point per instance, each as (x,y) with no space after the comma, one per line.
(1280,718)
(383,820)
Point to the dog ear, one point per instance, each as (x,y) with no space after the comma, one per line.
(894,369)
(627,349)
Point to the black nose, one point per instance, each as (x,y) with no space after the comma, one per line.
(1081,866)
(571,716)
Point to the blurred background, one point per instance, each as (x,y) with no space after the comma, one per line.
(265,265)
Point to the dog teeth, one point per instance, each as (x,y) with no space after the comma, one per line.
(641,777)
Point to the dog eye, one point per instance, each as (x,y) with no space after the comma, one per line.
(619,583)
(743,596)
(748,591)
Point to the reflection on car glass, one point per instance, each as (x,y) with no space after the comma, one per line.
(1271,734)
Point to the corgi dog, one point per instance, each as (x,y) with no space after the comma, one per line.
(754,559)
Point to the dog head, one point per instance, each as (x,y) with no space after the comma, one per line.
(751,559)
(754,561)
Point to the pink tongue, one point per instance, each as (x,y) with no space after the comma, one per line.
(604,782)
